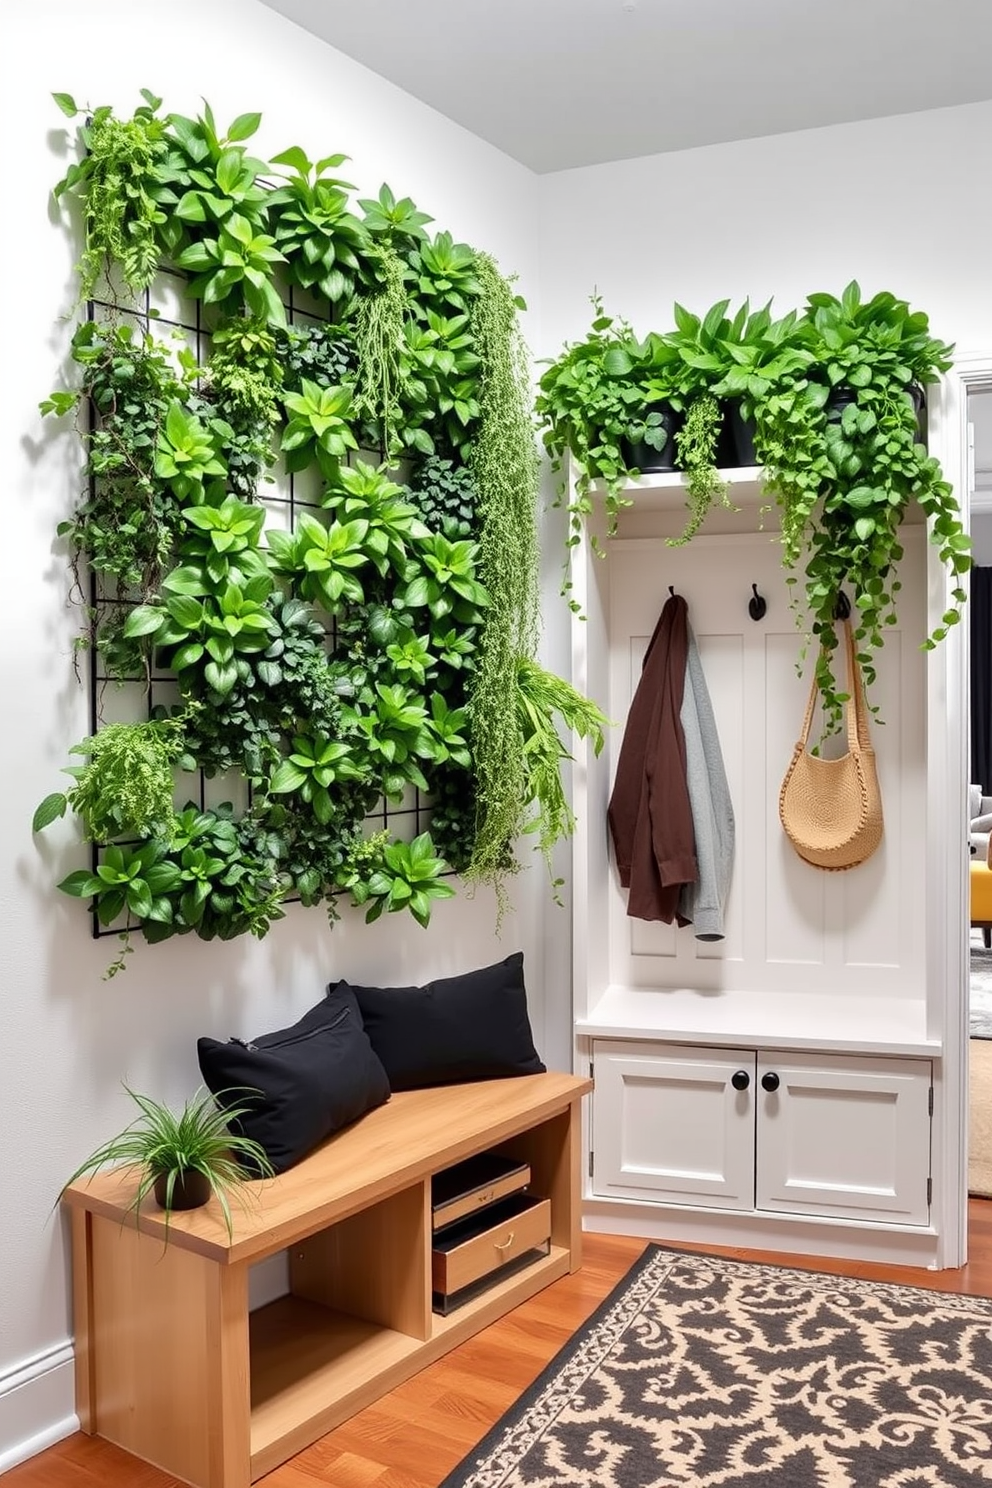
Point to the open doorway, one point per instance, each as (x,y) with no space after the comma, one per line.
(979,414)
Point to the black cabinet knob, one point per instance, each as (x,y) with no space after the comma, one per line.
(740,1079)
(770,1081)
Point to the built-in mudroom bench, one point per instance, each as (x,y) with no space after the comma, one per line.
(783,1087)
(392,1261)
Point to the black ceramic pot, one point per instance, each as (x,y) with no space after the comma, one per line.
(643,457)
(191,1189)
(918,398)
(742,432)
(839,399)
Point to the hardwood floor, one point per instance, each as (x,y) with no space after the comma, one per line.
(415,1436)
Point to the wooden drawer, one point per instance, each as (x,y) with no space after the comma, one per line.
(470,1186)
(468,1251)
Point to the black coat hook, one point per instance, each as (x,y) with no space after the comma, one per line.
(671,590)
(842,609)
(757,606)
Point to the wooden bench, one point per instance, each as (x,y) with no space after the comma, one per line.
(172,1366)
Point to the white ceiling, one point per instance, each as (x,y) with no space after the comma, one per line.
(560,83)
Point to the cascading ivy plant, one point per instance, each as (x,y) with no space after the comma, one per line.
(377,642)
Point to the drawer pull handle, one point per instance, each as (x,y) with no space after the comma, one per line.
(506,1243)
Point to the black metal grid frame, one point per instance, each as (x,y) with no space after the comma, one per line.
(414,818)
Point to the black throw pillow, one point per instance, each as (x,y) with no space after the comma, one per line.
(311,1079)
(471,1027)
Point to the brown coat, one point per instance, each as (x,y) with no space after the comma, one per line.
(650,814)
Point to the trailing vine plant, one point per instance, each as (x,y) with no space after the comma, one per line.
(696,443)
(503,462)
(117,180)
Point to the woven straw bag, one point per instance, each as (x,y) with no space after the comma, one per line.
(831,809)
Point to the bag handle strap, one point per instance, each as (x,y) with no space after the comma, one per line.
(855,709)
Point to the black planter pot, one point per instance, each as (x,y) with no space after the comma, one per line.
(726,446)
(643,457)
(191,1189)
(840,397)
(918,398)
(742,432)
(838,400)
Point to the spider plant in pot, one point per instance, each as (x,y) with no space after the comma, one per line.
(184,1159)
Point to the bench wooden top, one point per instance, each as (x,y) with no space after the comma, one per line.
(415,1134)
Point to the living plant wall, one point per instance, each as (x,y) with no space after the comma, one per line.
(373,640)
(829,401)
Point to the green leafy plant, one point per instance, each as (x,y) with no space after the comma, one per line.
(130,881)
(126,786)
(236,262)
(753,354)
(244,379)
(117,181)
(170,1150)
(446,496)
(397,221)
(441,575)
(322,241)
(363,493)
(438,385)
(314,766)
(187,453)
(400,875)
(318,429)
(335,663)
(446,275)
(205,630)
(587,401)
(393,726)
(127,518)
(321,561)
(227,881)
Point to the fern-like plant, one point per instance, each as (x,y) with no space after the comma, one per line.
(126,786)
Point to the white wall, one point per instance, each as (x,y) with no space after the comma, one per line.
(895,203)
(66,1037)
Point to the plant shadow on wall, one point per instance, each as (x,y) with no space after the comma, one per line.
(382,642)
(830,401)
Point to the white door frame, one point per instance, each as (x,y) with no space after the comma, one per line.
(948,719)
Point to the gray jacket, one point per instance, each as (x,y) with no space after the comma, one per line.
(702,903)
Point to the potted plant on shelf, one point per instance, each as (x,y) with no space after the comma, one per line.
(754,352)
(839,440)
(691,357)
(183,1160)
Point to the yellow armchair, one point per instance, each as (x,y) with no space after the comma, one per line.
(981,900)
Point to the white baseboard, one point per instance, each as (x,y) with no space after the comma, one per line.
(37,1405)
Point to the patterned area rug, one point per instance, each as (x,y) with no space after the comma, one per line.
(703,1372)
(980,1000)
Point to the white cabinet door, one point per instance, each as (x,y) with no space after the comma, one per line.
(844,1135)
(669,1126)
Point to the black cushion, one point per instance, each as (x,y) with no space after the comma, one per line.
(471,1027)
(308,1080)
